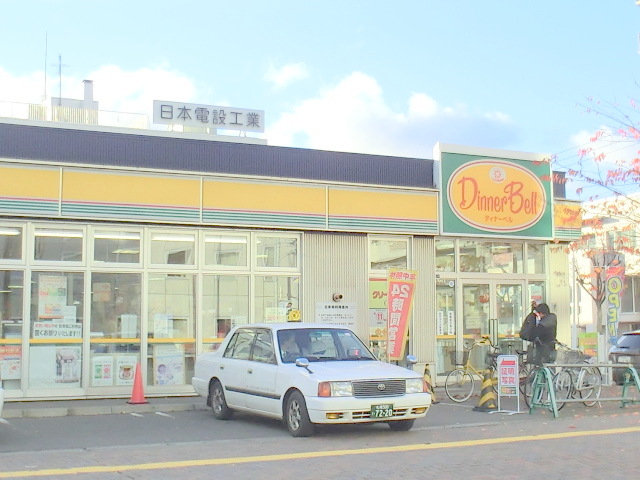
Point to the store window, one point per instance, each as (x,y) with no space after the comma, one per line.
(276,251)
(276,297)
(488,257)
(11,315)
(10,243)
(56,314)
(225,250)
(225,305)
(631,294)
(58,245)
(445,256)
(385,253)
(171,329)
(173,248)
(115,305)
(116,247)
(171,305)
(535,258)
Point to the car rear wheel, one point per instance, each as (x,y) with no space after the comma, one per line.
(296,416)
(218,403)
(402,425)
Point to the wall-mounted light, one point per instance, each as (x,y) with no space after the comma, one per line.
(337,297)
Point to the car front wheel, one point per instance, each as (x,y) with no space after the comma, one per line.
(402,425)
(218,403)
(296,416)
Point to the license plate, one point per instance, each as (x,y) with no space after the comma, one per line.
(382,411)
(624,359)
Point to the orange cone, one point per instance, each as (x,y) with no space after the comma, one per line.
(137,395)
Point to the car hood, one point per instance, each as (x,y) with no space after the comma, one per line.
(357,370)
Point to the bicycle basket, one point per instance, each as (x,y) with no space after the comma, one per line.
(459,358)
(569,356)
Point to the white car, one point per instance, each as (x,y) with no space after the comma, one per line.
(307,374)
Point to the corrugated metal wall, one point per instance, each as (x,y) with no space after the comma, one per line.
(336,263)
(423,329)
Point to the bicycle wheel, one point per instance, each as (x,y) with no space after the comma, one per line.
(589,385)
(562,387)
(526,386)
(459,385)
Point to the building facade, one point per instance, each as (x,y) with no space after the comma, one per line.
(124,248)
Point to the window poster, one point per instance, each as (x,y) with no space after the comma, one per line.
(10,362)
(102,371)
(162,325)
(52,296)
(168,365)
(55,366)
(125,369)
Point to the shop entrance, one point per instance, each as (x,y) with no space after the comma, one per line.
(487,307)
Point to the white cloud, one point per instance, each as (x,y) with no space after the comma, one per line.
(353,116)
(114,88)
(286,75)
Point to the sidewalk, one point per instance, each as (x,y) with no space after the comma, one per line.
(102,406)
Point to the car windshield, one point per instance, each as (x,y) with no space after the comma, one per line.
(321,345)
(629,341)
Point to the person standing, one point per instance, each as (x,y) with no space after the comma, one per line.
(544,334)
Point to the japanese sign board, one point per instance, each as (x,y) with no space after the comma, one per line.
(401,285)
(336,314)
(212,116)
(508,375)
(495,192)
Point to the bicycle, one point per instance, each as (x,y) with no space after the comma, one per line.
(460,382)
(582,381)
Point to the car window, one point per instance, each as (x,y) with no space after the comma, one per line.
(321,344)
(240,345)
(263,350)
(629,341)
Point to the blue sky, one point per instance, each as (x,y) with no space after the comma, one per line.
(390,78)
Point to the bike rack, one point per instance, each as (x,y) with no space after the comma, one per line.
(544,378)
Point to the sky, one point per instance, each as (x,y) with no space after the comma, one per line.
(364,76)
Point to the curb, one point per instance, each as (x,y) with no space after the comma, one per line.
(47,412)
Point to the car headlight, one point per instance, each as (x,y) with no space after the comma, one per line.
(415,385)
(335,389)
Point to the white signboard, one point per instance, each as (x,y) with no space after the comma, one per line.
(336,313)
(57,330)
(211,116)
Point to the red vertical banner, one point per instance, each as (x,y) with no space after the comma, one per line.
(401,285)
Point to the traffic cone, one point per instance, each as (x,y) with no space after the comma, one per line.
(137,394)
(488,398)
(427,380)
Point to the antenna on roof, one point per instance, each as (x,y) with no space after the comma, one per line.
(44,97)
(60,65)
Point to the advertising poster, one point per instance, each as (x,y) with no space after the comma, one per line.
(102,371)
(53,366)
(168,365)
(125,369)
(378,308)
(400,298)
(10,362)
(52,296)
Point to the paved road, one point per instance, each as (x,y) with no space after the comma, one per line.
(452,442)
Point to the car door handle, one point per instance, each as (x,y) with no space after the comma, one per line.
(250,370)
(221,367)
